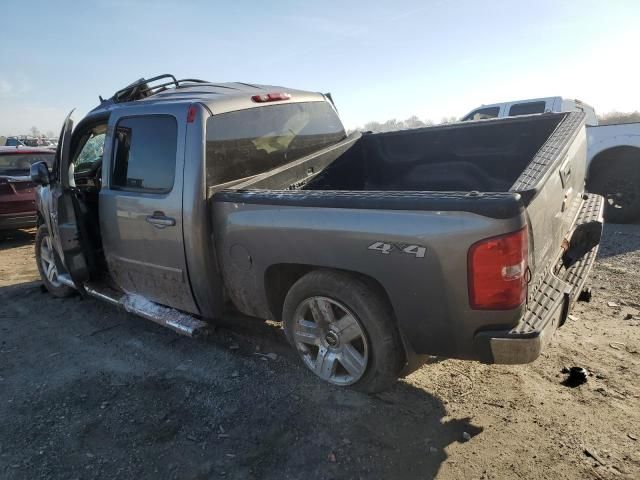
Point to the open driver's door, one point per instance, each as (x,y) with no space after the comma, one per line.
(65,211)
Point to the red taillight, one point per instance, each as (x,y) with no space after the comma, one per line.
(191,113)
(497,272)
(271,97)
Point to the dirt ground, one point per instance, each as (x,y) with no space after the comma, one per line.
(87,391)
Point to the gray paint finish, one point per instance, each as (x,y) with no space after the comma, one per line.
(428,294)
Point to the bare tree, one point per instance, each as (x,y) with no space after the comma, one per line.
(619,117)
(414,122)
(50,134)
(34,131)
(448,120)
(393,124)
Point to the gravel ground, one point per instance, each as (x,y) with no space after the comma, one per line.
(87,391)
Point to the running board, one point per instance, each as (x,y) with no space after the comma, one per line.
(177,321)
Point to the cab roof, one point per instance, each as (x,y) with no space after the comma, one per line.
(218,97)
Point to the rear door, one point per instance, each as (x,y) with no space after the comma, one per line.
(141,206)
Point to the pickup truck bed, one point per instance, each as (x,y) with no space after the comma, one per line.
(440,189)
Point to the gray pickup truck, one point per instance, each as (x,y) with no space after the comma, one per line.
(180,199)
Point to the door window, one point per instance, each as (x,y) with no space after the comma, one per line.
(91,153)
(145,154)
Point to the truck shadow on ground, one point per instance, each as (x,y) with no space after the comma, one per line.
(16,238)
(618,239)
(89,391)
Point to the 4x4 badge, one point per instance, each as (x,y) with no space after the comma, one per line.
(386,248)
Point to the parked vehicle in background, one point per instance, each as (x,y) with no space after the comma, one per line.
(613,153)
(14,142)
(17,191)
(468,240)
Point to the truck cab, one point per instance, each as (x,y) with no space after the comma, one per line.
(126,203)
(533,106)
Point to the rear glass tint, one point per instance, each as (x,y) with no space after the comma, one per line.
(249,142)
(528,108)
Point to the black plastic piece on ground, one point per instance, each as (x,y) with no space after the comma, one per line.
(577,376)
(585,295)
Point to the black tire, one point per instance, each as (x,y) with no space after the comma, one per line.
(54,287)
(618,181)
(385,354)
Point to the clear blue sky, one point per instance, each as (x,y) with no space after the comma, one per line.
(380,60)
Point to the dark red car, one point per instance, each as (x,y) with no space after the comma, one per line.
(17,191)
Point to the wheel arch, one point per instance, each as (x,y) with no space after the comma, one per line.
(280,277)
(612,154)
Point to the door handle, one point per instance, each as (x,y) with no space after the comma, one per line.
(159,220)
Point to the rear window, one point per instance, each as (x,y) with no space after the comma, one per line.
(483,113)
(528,108)
(20,163)
(249,142)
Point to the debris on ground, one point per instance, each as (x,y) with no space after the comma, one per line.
(632,437)
(331,457)
(590,452)
(577,376)
(613,304)
(267,356)
(466,436)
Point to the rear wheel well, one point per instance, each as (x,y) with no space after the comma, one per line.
(280,278)
(615,174)
(624,155)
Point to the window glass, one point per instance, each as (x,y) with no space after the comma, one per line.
(91,153)
(20,164)
(249,142)
(526,108)
(145,154)
(483,113)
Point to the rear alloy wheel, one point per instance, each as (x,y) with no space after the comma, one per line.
(330,340)
(344,330)
(46,259)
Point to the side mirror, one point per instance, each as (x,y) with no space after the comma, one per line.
(40,173)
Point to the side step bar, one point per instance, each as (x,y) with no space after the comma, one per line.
(177,321)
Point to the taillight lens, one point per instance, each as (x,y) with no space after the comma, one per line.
(191,113)
(497,272)
(271,97)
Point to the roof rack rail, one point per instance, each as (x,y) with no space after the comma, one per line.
(141,89)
